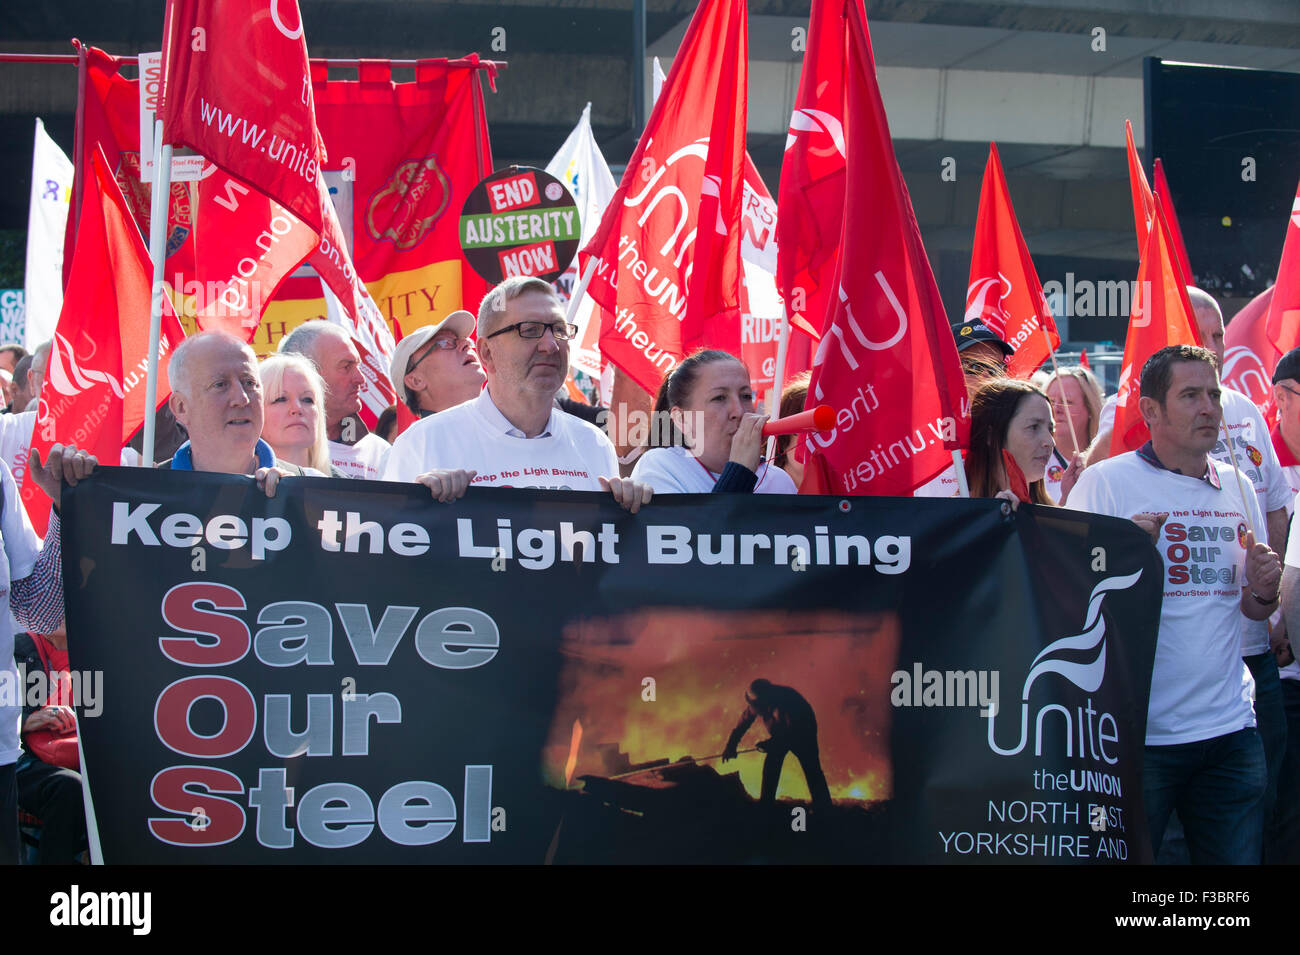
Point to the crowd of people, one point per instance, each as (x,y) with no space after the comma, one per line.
(1222,760)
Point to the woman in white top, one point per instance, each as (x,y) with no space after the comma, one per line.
(705,436)
(294,424)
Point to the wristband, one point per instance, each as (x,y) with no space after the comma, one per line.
(1261,600)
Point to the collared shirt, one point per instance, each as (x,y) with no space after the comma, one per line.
(1148,454)
(492,414)
(183,459)
(569,454)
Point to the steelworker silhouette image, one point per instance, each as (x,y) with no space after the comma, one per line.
(792,728)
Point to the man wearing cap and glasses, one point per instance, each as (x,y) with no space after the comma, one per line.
(983,356)
(512,435)
(436,367)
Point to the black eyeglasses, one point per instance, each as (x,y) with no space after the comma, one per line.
(448,344)
(1285,388)
(562,331)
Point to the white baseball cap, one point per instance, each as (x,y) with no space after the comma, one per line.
(461,322)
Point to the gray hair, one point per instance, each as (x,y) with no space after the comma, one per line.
(304,339)
(271,371)
(180,373)
(493,307)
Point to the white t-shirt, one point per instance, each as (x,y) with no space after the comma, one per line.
(677,471)
(569,454)
(16,441)
(17,558)
(1106,420)
(1056,468)
(365,459)
(1259,466)
(1197,691)
(945,485)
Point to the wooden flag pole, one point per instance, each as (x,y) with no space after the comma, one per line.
(1241,487)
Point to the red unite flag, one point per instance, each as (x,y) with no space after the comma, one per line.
(94,390)
(810,200)
(1283,324)
(1248,356)
(886,360)
(237,88)
(1166,200)
(1143,202)
(1004,291)
(246,246)
(667,252)
(1162,315)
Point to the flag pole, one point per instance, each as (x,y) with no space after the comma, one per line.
(959,466)
(1241,488)
(158,209)
(580,289)
(1056,370)
(778,377)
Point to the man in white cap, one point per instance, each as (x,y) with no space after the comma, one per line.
(436,367)
(512,434)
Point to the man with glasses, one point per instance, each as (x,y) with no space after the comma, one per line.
(436,367)
(512,435)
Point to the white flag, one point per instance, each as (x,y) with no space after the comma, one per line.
(46,219)
(580,165)
(659,79)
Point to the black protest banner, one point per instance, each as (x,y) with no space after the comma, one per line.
(352,672)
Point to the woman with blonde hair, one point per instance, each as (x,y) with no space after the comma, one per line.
(1076,397)
(294,424)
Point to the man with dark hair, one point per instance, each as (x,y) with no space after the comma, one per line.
(10,353)
(1204,757)
(512,435)
(791,728)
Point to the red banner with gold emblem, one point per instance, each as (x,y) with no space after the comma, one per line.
(401,159)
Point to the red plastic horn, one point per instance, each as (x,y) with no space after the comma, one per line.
(821,418)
